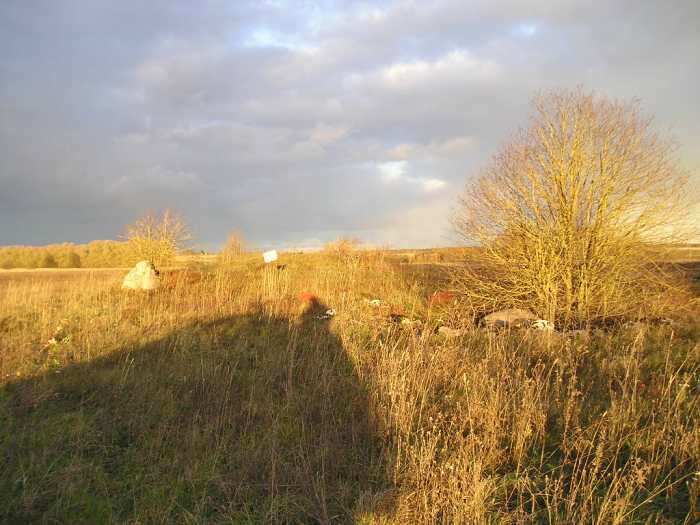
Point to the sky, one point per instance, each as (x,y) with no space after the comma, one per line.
(298,122)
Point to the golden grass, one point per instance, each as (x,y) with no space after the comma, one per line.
(222,398)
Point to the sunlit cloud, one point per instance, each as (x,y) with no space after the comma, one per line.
(324,134)
(454,65)
(431,185)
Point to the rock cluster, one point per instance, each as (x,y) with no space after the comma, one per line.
(512,317)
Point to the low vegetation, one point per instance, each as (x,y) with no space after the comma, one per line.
(230,395)
(233,249)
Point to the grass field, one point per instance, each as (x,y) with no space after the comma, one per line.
(226,397)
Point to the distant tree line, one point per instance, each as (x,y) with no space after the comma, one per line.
(96,254)
(153,237)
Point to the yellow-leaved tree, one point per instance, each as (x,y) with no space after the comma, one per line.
(571,216)
(157,238)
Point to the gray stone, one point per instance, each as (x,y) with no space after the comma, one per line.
(511,317)
(542,324)
(450,332)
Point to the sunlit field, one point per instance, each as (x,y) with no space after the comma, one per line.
(232,395)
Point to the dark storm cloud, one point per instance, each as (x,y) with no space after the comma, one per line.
(298,121)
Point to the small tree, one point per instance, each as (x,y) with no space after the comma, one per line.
(157,238)
(571,214)
(233,248)
(343,247)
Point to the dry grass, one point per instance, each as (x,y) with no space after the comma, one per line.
(222,398)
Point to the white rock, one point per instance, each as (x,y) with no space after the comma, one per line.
(543,324)
(143,276)
(330,313)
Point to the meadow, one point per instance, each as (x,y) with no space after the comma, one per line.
(231,396)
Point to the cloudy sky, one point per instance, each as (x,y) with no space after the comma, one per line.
(296,122)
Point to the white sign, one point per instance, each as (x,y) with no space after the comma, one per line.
(270,256)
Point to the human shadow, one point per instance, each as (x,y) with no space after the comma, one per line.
(243,419)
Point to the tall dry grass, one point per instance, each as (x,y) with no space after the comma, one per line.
(221,398)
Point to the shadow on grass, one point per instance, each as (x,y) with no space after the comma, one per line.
(244,419)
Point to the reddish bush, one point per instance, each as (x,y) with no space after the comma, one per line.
(442,297)
(173,278)
(308,297)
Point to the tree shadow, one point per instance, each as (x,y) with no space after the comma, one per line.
(243,419)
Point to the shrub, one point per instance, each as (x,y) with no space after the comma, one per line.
(342,247)
(232,249)
(157,239)
(571,214)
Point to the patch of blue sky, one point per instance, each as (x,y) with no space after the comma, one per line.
(263,37)
(526,30)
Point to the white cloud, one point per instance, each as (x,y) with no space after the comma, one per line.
(403,151)
(155,177)
(323,134)
(397,171)
(394,106)
(373,15)
(431,185)
(392,171)
(457,65)
(454,146)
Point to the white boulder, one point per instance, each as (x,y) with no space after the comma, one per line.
(143,276)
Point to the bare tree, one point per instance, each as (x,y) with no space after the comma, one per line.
(234,248)
(157,238)
(343,247)
(570,215)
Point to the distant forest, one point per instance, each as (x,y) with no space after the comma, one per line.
(96,254)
